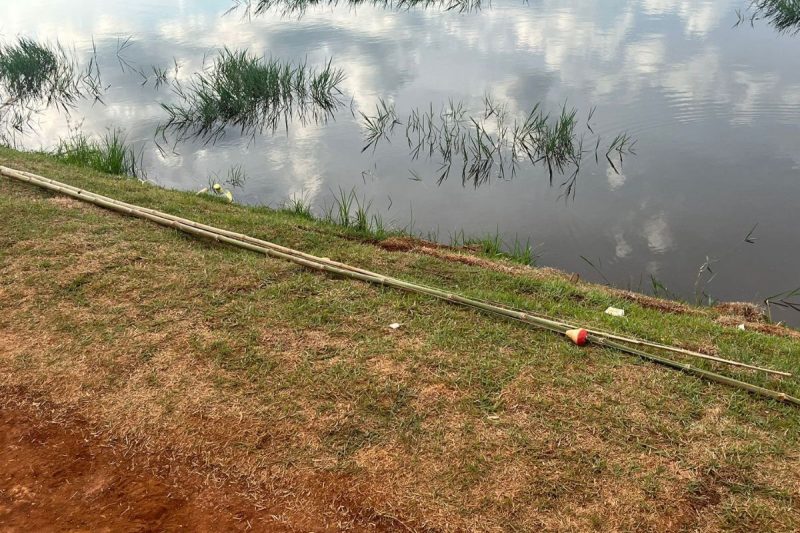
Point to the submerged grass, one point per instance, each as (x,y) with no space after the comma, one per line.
(34,71)
(783,15)
(35,76)
(299,7)
(251,93)
(294,381)
(112,154)
(491,144)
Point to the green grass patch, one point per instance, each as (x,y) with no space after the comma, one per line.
(112,154)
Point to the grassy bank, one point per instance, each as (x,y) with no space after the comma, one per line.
(293,383)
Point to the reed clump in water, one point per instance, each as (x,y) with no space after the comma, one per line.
(299,7)
(491,144)
(253,94)
(783,15)
(35,76)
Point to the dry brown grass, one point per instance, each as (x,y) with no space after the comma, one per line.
(446,253)
(759,326)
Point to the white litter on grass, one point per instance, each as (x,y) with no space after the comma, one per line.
(613,311)
(740,327)
(394,326)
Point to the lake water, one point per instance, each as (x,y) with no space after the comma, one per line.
(714,110)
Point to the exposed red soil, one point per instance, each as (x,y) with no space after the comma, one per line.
(60,478)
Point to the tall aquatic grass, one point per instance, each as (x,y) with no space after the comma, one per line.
(623,144)
(787,300)
(377,127)
(34,71)
(111,154)
(345,210)
(160,76)
(491,144)
(253,94)
(299,7)
(35,76)
(349,211)
(783,15)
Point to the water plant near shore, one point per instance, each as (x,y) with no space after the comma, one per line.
(494,246)
(783,15)
(348,211)
(787,300)
(251,93)
(491,144)
(35,76)
(299,7)
(112,154)
(34,71)
(299,205)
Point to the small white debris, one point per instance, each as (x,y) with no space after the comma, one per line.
(740,327)
(613,311)
(493,417)
(394,326)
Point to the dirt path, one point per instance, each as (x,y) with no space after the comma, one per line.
(59,478)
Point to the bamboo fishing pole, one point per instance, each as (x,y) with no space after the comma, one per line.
(578,336)
(267,244)
(651,344)
(689,369)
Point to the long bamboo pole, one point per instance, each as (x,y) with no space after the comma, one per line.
(675,349)
(267,244)
(689,369)
(386,281)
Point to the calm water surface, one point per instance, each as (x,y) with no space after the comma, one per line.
(715,111)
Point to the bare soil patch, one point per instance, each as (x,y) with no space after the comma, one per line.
(60,477)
